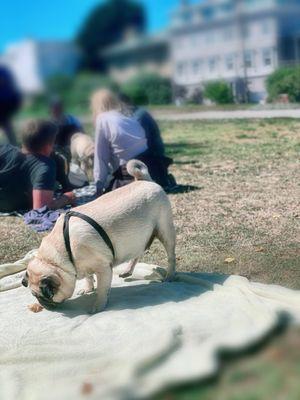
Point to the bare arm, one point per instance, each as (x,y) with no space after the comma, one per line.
(41,198)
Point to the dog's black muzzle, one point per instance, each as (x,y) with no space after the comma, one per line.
(45,302)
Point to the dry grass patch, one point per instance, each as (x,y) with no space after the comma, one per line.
(247,205)
(247,210)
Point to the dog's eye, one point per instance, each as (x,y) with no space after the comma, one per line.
(25,280)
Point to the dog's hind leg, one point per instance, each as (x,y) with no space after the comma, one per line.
(129,269)
(104,279)
(167,236)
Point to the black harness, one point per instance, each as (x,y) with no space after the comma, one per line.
(90,221)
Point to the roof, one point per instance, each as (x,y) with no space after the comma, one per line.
(136,43)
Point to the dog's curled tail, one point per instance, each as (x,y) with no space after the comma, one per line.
(138,170)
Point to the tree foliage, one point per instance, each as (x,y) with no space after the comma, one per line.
(106,25)
(77,91)
(148,89)
(219,92)
(86,83)
(284,81)
(59,85)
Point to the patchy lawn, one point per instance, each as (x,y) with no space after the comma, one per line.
(247,205)
(246,210)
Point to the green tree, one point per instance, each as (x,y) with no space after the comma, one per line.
(85,84)
(219,92)
(59,85)
(284,81)
(106,25)
(148,89)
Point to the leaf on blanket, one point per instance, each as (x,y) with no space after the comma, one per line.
(35,308)
(229,260)
(86,388)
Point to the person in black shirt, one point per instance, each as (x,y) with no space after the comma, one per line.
(10,102)
(27,177)
(67,124)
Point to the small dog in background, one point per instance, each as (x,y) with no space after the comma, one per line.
(82,150)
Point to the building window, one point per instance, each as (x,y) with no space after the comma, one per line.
(228,33)
(227,7)
(187,17)
(230,62)
(210,37)
(196,66)
(180,68)
(194,40)
(266,27)
(208,13)
(212,64)
(246,31)
(267,57)
(248,59)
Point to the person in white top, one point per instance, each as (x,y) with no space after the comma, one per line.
(118,139)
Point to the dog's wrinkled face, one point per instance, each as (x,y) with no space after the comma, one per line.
(49,286)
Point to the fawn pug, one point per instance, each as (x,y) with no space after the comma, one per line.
(131,218)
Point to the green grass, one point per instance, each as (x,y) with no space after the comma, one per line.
(246,206)
(32,111)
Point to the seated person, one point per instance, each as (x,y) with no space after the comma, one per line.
(153,135)
(10,103)
(27,177)
(118,139)
(155,143)
(67,127)
(67,124)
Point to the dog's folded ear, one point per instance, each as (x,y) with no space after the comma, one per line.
(49,286)
(25,280)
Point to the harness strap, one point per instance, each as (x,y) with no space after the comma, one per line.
(93,223)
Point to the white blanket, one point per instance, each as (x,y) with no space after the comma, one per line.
(152,335)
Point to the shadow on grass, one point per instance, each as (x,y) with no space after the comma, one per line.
(190,149)
(225,357)
(180,189)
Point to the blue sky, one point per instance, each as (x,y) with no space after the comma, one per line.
(61,19)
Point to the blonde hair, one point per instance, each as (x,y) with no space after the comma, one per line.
(104,100)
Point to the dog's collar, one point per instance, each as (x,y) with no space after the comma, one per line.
(93,223)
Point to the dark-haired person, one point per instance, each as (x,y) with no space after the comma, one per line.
(155,143)
(28,177)
(67,124)
(10,102)
(156,147)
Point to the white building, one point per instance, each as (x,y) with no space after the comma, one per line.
(33,62)
(240,41)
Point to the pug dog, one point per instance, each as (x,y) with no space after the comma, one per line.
(132,217)
(82,150)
